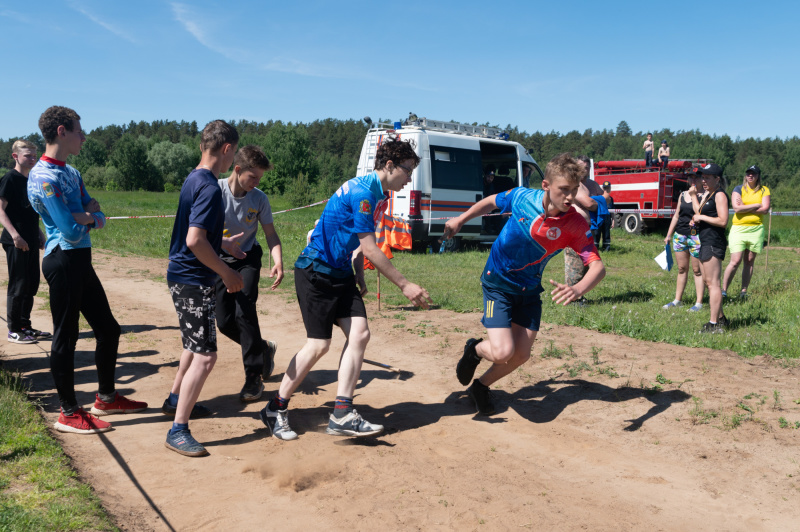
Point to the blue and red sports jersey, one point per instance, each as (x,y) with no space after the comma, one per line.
(55,190)
(353,209)
(530,239)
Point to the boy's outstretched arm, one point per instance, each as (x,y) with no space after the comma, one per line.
(453,225)
(415,293)
(564,294)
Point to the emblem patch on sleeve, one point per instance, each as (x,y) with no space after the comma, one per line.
(364,207)
(48,189)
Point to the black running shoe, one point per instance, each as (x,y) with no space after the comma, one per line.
(252,389)
(712,328)
(723,322)
(482,397)
(465,369)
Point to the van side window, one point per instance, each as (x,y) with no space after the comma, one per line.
(456,169)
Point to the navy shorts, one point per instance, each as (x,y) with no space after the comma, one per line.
(196,308)
(501,309)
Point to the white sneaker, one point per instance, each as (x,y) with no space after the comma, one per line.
(352,425)
(277,421)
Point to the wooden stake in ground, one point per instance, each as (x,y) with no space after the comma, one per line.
(379,290)
(769,230)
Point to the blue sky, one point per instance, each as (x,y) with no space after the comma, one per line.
(720,67)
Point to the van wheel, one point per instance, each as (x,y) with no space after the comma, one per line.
(633,224)
(618,219)
(450,245)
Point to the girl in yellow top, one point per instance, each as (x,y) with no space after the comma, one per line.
(746,240)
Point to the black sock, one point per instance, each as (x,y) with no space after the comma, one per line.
(343,406)
(477,382)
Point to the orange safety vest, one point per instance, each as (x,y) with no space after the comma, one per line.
(391,232)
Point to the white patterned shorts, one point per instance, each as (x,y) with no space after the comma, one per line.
(196,307)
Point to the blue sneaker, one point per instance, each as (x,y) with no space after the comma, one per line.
(183,443)
(724,293)
(352,425)
(697,307)
(672,304)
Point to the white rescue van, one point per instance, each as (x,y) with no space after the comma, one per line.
(450,176)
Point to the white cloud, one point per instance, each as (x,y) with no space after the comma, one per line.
(100,22)
(187,16)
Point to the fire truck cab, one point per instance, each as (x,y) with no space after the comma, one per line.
(635,186)
(450,176)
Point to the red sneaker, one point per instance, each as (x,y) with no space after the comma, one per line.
(81,422)
(120,405)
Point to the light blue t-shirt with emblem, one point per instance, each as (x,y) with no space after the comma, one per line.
(55,190)
(242,215)
(353,209)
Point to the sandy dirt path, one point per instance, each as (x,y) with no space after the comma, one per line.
(589,451)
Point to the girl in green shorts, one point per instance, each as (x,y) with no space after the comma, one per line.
(751,200)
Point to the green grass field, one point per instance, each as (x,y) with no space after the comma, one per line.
(38,488)
(627,302)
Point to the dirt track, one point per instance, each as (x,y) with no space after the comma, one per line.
(563,453)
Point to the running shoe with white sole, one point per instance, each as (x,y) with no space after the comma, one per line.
(120,405)
(20,338)
(352,425)
(81,422)
(277,421)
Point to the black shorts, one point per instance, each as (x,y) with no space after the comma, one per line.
(196,306)
(706,252)
(324,299)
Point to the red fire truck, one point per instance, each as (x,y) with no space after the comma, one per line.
(635,186)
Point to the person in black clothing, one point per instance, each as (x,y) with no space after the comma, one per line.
(686,245)
(22,239)
(711,217)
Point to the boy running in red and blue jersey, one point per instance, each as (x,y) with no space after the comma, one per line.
(56,192)
(542,223)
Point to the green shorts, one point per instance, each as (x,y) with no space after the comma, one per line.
(744,237)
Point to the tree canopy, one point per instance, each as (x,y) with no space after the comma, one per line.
(311,160)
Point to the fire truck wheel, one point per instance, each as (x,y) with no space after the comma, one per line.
(633,224)
(618,220)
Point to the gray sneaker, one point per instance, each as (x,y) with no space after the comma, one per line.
(352,425)
(277,421)
(269,359)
